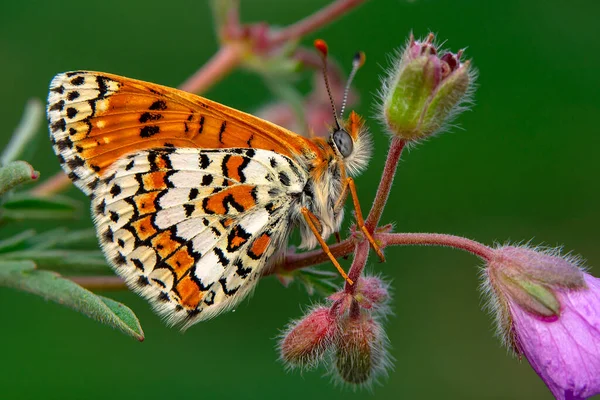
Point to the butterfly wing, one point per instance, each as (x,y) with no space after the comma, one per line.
(192,229)
(190,197)
(96,118)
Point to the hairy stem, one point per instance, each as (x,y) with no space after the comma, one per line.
(314,21)
(358,265)
(435,239)
(296,261)
(385,185)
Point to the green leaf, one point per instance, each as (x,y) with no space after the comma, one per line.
(52,286)
(26,206)
(68,262)
(25,131)
(16,173)
(16,242)
(61,237)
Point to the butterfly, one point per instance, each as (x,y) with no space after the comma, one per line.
(192,199)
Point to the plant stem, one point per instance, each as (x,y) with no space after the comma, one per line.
(387,178)
(358,265)
(52,185)
(222,62)
(294,261)
(314,21)
(435,239)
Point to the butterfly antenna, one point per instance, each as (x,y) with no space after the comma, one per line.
(357,62)
(321,46)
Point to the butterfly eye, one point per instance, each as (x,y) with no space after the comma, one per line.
(343,142)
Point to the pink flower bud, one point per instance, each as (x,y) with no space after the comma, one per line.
(372,292)
(548,309)
(306,340)
(361,353)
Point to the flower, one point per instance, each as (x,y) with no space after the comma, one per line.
(424,91)
(548,310)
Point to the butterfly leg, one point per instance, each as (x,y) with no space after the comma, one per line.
(350,186)
(312,221)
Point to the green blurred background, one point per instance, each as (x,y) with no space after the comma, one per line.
(524,167)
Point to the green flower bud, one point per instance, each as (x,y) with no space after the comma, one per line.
(529,280)
(424,91)
(361,355)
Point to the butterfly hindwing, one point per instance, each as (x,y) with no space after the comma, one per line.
(192,229)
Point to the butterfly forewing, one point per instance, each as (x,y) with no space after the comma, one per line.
(96,118)
(189,228)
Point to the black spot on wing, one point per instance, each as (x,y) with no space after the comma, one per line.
(72,95)
(158,105)
(204,161)
(78,81)
(149,130)
(284,179)
(222,130)
(58,106)
(224,261)
(148,116)
(71,112)
(240,270)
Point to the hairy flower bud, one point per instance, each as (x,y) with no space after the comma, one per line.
(548,310)
(306,340)
(361,353)
(424,90)
(372,292)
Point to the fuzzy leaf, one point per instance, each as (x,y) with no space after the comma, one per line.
(52,286)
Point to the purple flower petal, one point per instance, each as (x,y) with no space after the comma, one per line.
(565,352)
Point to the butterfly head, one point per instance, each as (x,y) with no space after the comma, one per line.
(349,138)
(351,143)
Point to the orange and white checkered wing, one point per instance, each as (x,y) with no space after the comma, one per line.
(192,229)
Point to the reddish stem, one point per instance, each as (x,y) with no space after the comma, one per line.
(358,265)
(222,62)
(313,22)
(387,178)
(54,184)
(294,261)
(435,239)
